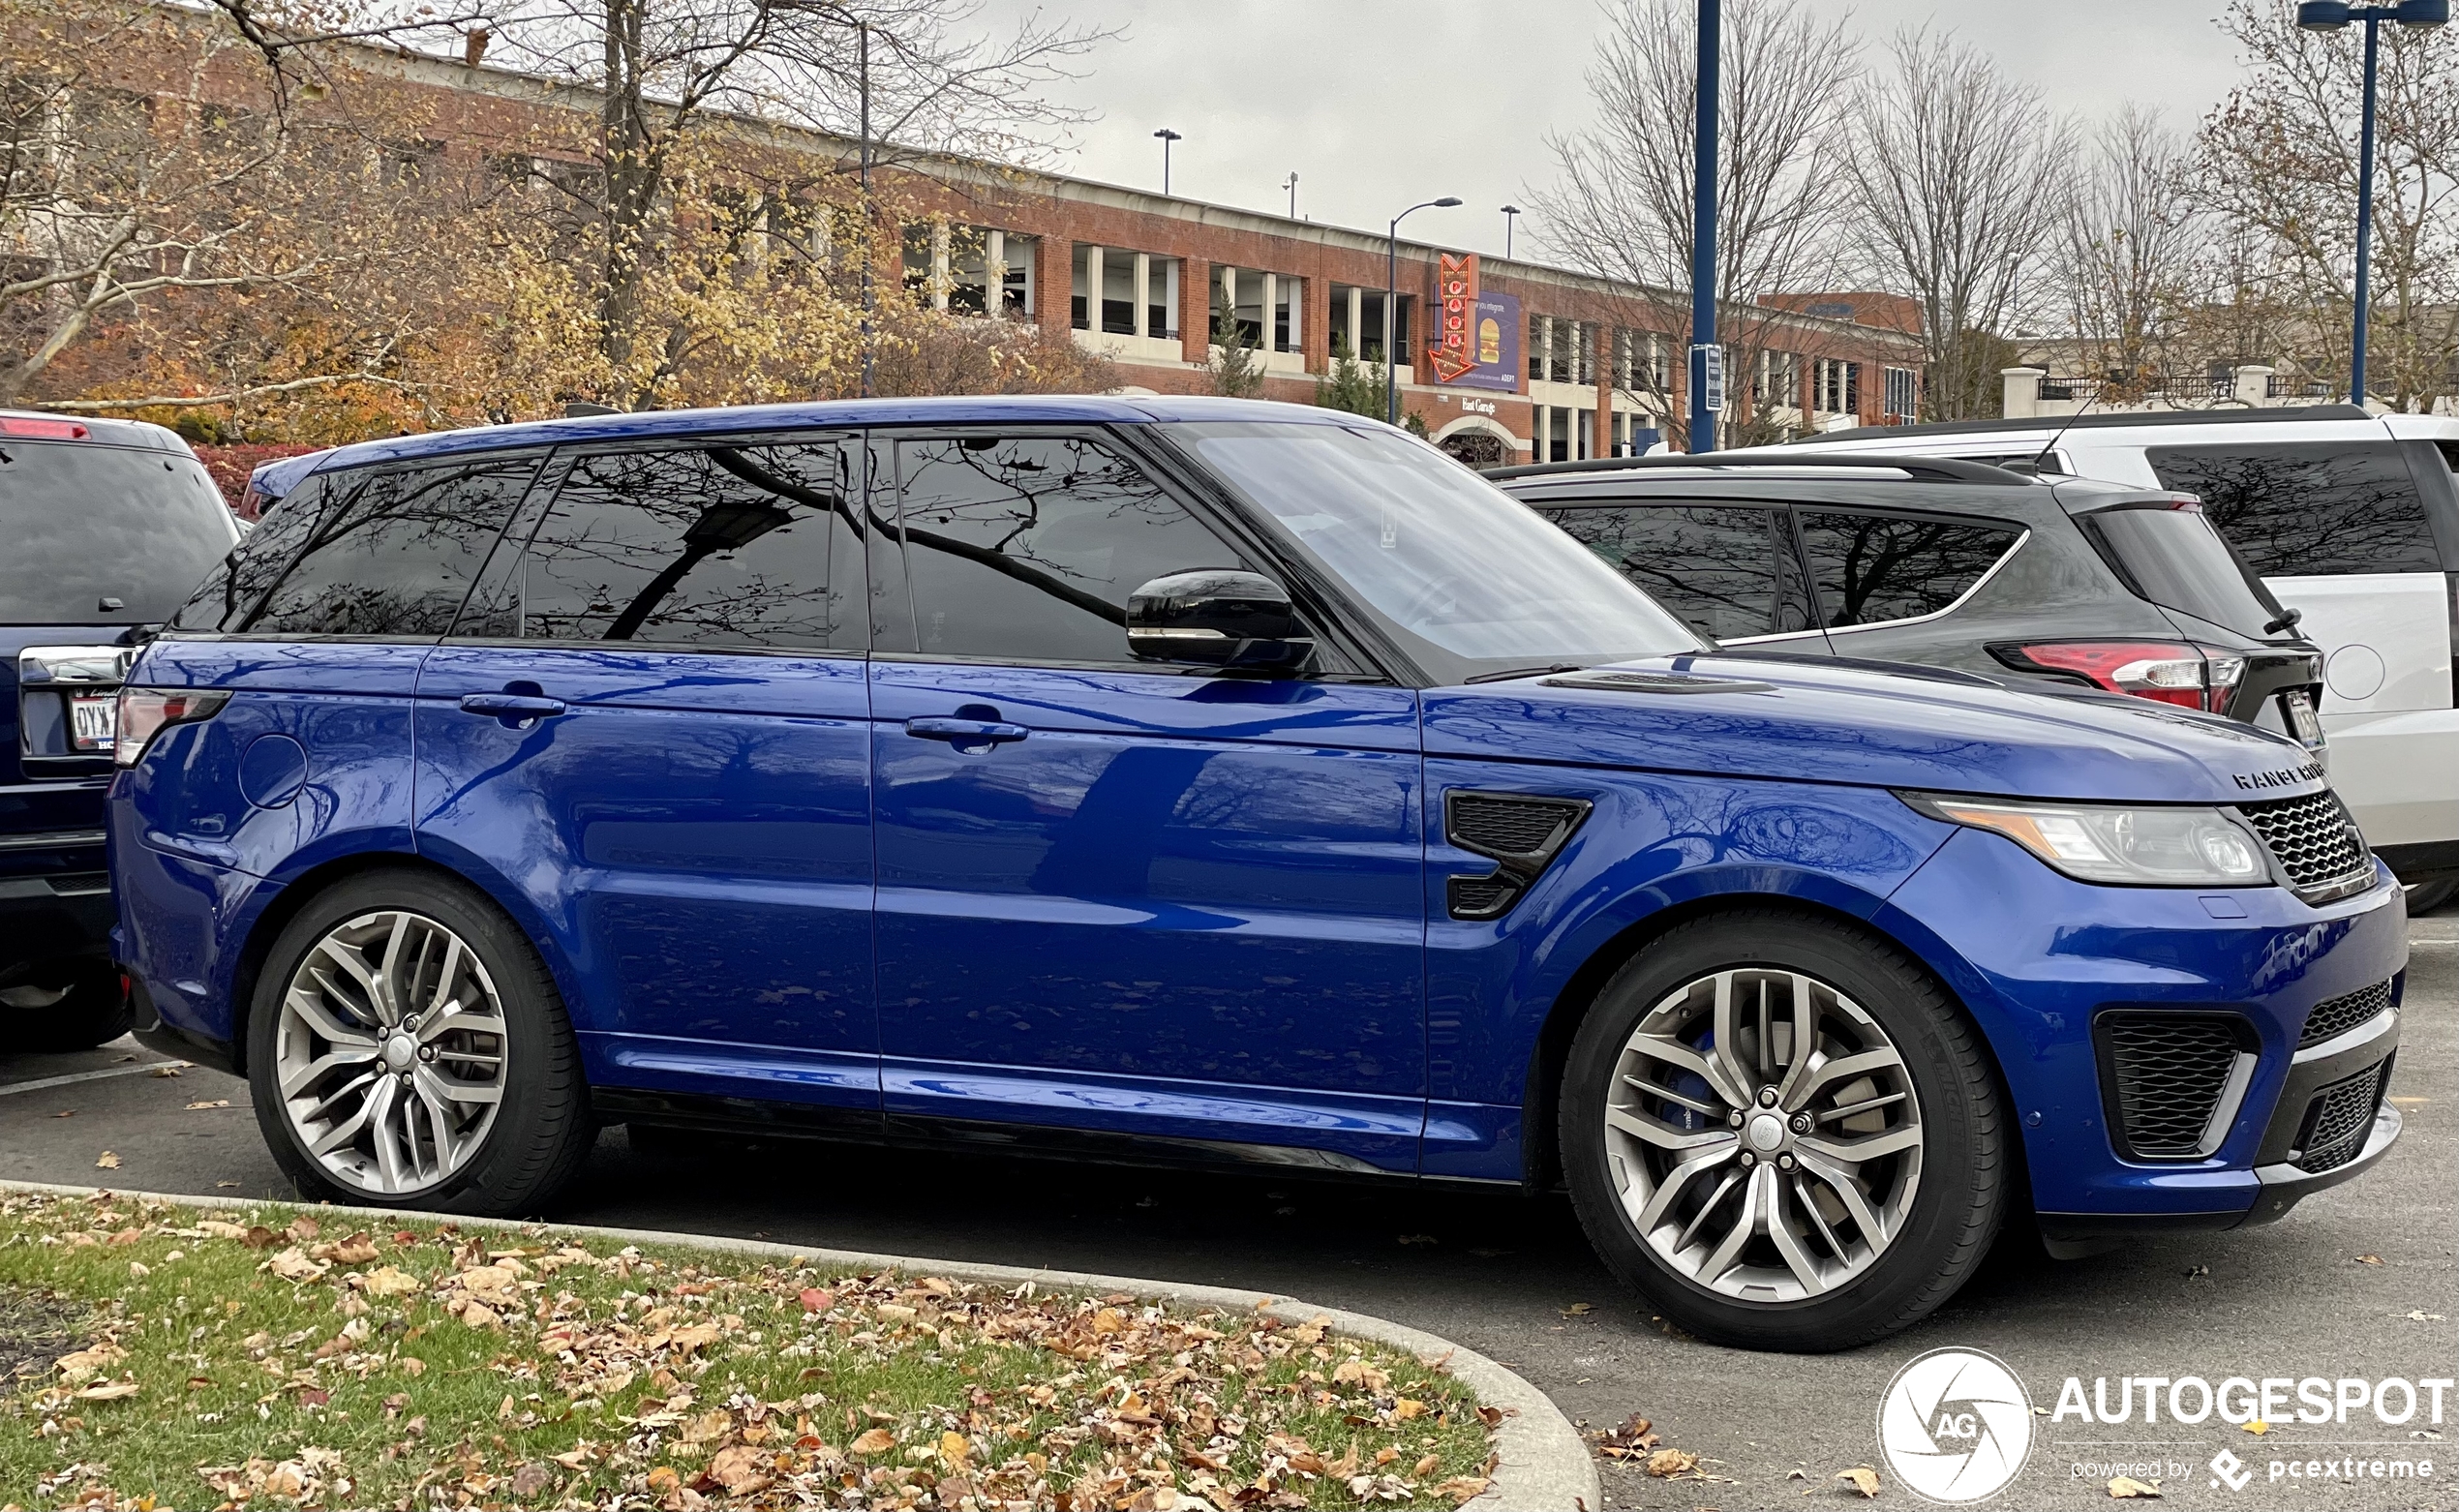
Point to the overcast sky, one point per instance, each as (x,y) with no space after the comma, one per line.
(1260,88)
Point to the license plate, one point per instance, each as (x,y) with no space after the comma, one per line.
(2302,718)
(93,720)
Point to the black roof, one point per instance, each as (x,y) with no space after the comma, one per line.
(1919,470)
(2089,422)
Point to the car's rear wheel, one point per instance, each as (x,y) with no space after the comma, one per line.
(406,1048)
(64,1006)
(1782,1132)
(2431,894)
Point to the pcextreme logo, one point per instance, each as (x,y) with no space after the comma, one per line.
(1955,1426)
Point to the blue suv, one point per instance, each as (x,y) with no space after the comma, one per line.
(1191,780)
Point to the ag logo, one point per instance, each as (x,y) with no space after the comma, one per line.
(2229,1467)
(1955,1426)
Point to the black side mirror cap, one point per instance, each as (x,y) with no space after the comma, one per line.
(1216,616)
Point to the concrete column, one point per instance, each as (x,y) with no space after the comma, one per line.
(2253,384)
(1271,293)
(2022,401)
(994,273)
(1228,304)
(1093,289)
(1356,330)
(1143,292)
(940,277)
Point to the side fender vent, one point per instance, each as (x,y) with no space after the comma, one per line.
(1521,833)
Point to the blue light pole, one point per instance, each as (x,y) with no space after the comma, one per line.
(1702,236)
(2331,16)
(1391,304)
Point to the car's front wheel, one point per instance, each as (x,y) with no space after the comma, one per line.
(407,1048)
(1782,1132)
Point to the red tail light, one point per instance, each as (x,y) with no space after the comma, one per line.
(2167,672)
(35,430)
(144,712)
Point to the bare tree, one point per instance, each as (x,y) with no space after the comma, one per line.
(1959,176)
(1621,203)
(2131,252)
(668,73)
(2278,163)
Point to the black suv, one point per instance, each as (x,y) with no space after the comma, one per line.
(106,526)
(1950,563)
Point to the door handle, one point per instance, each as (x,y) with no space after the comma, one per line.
(512,709)
(961,733)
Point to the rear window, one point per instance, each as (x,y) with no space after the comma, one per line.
(2319,509)
(2177,560)
(83,523)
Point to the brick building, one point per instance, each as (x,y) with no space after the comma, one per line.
(1543,363)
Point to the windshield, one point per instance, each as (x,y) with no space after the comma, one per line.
(83,523)
(1463,578)
(2180,562)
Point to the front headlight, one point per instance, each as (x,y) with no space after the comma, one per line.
(2155,846)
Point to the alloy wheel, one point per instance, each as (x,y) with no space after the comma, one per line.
(390,1052)
(1764,1134)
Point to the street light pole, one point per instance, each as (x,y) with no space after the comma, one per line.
(1510,218)
(1391,302)
(1166,136)
(1703,229)
(2331,16)
(1292,186)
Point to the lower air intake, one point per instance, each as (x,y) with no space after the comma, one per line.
(2339,1118)
(2172,1080)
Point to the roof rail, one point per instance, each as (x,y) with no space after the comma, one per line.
(1921,469)
(2092,422)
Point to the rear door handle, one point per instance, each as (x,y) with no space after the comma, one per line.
(965,732)
(512,708)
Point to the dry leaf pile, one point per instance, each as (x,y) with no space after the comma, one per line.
(262,1361)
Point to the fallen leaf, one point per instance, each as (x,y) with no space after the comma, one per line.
(741,1470)
(165,1072)
(1861,1478)
(108,1161)
(2258,1427)
(1629,1442)
(219,1184)
(531,1478)
(2126,1488)
(1578,1308)
(815,1300)
(2369,1259)
(2420,1315)
(258,1237)
(386,1280)
(2197,1270)
(217,1228)
(1425,1467)
(952,1449)
(1666,1463)
(303,1229)
(293,1264)
(108,1391)
(66,1112)
(873,1441)
(199,1107)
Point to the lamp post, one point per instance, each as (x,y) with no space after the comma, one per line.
(1391,302)
(1703,233)
(1166,136)
(1292,186)
(2331,16)
(1510,218)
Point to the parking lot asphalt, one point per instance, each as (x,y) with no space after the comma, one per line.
(1513,1277)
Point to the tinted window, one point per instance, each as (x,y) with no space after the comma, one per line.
(1457,573)
(388,553)
(2324,510)
(1715,566)
(1025,549)
(750,545)
(1874,568)
(2179,561)
(251,569)
(80,522)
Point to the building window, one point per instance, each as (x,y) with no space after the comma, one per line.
(1836,386)
(1124,309)
(1902,393)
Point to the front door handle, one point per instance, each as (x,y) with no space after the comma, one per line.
(961,733)
(513,709)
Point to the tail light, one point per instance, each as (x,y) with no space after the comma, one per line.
(2166,671)
(144,712)
(39,430)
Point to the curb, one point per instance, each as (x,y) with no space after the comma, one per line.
(1544,1465)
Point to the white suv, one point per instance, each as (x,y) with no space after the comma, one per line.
(2354,519)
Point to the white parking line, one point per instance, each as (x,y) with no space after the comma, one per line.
(83,1075)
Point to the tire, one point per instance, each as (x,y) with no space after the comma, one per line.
(76,1005)
(488,1115)
(2431,894)
(1933,1183)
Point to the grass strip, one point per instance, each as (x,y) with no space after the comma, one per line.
(260,1357)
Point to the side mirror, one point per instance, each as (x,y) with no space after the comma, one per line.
(1216,616)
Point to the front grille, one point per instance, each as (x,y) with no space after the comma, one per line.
(2168,1074)
(2311,837)
(2339,1118)
(2329,1020)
